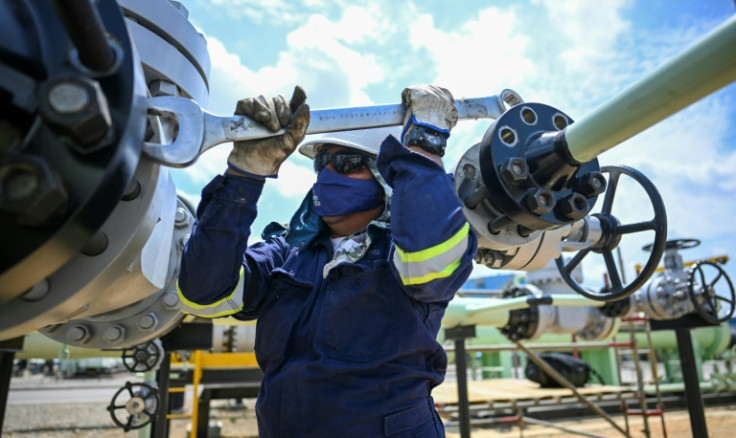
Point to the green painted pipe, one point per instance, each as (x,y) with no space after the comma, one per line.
(495,311)
(705,386)
(38,346)
(705,67)
(712,340)
(486,335)
(467,311)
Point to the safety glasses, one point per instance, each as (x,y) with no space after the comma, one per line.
(343,161)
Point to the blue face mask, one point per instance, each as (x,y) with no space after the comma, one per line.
(335,194)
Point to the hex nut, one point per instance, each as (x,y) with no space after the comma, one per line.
(96,245)
(31,191)
(180,7)
(114,334)
(469,170)
(132,191)
(148,322)
(514,171)
(38,291)
(76,108)
(573,206)
(485,257)
(171,301)
(159,87)
(591,184)
(78,334)
(68,98)
(183,241)
(541,201)
(182,218)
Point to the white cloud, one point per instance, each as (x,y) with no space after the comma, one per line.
(209,164)
(294,178)
(319,57)
(572,55)
(687,156)
(689,159)
(485,54)
(230,79)
(259,10)
(326,63)
(591,29)
(360,24)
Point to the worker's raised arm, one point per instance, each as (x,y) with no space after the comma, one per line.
(220,275)
(433,243)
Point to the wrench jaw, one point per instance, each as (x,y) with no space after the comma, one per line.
(508,98)
(189,131)
(490,107)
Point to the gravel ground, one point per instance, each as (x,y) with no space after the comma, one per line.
(721,423)
(45,419)
(91,420)
(46,407)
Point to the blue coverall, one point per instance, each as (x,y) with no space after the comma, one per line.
(353,354)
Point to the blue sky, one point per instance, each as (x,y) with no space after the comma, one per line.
(573,55)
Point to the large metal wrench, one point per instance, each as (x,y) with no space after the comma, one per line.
(200,130)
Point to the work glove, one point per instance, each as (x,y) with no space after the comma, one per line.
(263,157)
(430,114)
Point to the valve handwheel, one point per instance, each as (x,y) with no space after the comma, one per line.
(612,231)
(676,244)
(704,296)
(140,407)
(143,357)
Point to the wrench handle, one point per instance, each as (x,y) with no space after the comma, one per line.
(239,128)
(378,116)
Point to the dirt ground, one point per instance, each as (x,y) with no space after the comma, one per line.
(91,420)
(53,414)
(721,423)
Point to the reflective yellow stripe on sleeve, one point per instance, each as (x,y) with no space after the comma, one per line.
(438,261)
(229,305)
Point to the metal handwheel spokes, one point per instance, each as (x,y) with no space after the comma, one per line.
(676,244)
(140,407)
(612,232)
(712,303)
(143,357)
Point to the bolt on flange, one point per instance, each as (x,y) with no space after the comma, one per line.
(31,191)
(514,171)
(541,201)
(76,108)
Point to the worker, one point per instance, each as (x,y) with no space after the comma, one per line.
(349,298)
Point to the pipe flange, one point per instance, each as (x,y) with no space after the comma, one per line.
(522,323)
(525,176)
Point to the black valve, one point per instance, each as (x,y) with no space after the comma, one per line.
(522,323)
(143,357)
(612,231)
(713,299)
(138,410)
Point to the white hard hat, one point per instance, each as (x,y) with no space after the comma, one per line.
(368,140)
